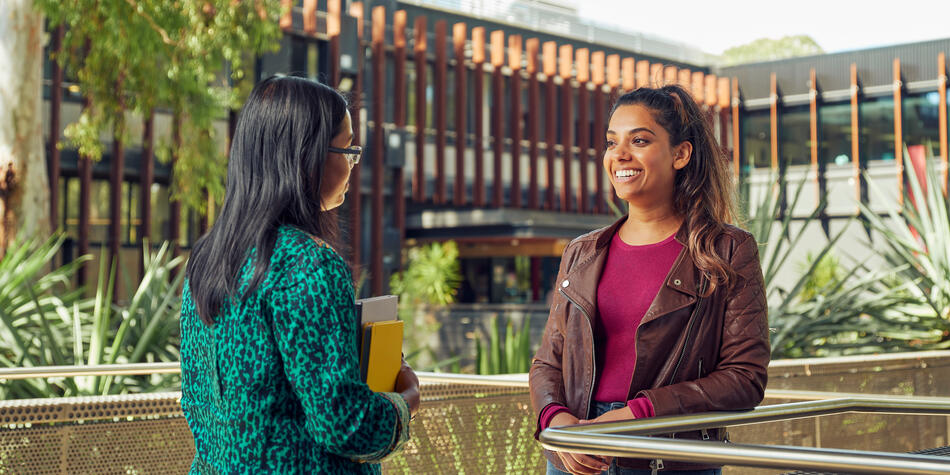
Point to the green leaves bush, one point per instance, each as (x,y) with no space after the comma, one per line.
(831,309)
(47,322)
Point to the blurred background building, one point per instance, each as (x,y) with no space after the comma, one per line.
(483,123)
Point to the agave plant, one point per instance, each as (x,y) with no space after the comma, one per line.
(512,356)
(916,242)
(851,311)
(45,322)
(33,300)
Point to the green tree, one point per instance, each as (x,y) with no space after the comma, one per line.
(768,49)
(184,55)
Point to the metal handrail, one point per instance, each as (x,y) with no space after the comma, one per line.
(632,438)
(145,369)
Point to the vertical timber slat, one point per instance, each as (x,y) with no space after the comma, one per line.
(478,57)
(566,63)
(514,62)
(628,74)
(698,87)
(334,21)
(399,117)
(942,90)
(497,118)
(309,16)
(534,111)
(599,77)
(419,51)
(583,125)
(115,198)
(613,86)
(855,134)
(684,77)
(356,193)
(773,121)
(670,74)
(550,114)
(459,36)
(379,85)
(148,176)
(439,92)
(643,73)
(813,130)
(55,112)
(656,74)
(735,103)
(899,133)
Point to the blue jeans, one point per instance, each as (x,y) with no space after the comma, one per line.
(602,407)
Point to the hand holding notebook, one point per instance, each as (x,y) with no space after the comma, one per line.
(380,342)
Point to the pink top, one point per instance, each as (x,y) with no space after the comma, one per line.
(631,278)
(630,281)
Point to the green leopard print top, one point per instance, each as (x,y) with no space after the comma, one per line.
(274,385)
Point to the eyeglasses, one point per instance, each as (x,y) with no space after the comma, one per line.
(352,154)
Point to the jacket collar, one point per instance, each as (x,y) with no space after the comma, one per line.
(679,289)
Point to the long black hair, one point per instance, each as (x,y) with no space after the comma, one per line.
(275,171)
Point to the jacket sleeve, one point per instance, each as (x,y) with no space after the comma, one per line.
(315,328)
(738,381)
(544,377)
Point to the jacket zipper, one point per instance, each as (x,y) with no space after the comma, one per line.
(689,330)
(593,360)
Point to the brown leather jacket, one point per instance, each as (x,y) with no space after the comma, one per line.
(693,355)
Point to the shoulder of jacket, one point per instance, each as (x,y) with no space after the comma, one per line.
(297,255)
(734,235)
(591,236)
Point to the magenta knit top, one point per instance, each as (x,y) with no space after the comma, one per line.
(631,278)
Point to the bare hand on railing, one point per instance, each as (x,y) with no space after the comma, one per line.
(581,464)
(407,384)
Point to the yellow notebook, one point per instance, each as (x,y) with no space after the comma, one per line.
(381,354)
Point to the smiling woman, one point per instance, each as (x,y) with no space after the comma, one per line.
(664,311)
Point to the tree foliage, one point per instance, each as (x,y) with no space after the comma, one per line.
(137,55)
(768,49)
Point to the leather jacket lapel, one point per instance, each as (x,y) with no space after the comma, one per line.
(580,283)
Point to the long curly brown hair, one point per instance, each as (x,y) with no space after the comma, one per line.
(704,190)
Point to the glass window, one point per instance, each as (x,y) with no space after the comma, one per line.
(795,146)
(160,201)
(450,100)
(130,212)
(877,128)
(756,139)
(99,212)
(835,134)
(921,121)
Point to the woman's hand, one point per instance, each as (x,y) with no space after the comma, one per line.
(407,384)
(622,414)
(578,463)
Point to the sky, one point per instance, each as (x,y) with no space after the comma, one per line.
(837,25)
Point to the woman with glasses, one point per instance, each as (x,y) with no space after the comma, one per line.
(663,312)
(270,370)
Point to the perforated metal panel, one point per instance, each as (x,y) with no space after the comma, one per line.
(460,429)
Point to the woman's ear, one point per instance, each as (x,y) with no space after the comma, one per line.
(682,153)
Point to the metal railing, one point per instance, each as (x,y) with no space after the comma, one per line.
(632,438)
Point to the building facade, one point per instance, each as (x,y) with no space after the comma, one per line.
(483,123)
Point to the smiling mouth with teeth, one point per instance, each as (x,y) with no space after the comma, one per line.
(626,173)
